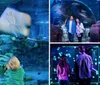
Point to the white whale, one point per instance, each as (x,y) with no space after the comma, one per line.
(15,23)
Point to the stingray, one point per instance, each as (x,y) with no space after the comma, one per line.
(13,22)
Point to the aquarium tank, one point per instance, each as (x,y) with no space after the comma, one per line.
(25,35)
(71,53)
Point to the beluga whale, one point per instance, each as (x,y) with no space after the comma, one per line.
(14,22)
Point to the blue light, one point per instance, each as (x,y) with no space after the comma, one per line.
(54,58)
(95,63)
(77,55)
(93,77)
(95,59)
(74,60)
(63,46)
(51,82)
(66,50)
(58,57)
(98,62)
(97,72)
(47,22)
(54,69)
(68,54)
(60,54)
(55,78)
(75,47)
(58,48)
(72,70)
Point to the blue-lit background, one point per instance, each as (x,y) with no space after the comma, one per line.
(31,51)
(88,11)
(71,52)
(90,6)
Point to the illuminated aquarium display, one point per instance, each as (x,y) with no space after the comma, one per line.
(24,34)
(84,10)
(71,53)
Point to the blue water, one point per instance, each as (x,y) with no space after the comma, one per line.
(43,77)
(35,78)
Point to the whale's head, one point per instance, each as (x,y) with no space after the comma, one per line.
(25,24)
(15,23)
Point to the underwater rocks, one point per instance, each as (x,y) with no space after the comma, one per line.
(35,57)
(56,33)
(95,32)
(12,44)
(30,53)
(5,39)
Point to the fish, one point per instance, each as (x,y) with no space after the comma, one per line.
(83,15)
(14,22)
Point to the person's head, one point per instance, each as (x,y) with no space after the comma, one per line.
(63,64)
(62,61)
(71,17)
(81,49)
(77,20)
(14,63)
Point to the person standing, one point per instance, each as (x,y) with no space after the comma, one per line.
(63,70)
(79,30)
(84,63)
(71,28)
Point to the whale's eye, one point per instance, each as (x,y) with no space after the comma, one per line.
(28,26)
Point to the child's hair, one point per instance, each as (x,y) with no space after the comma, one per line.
(81,48)
(14,63)
(63,64)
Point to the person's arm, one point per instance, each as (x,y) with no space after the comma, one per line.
(82,26)
(67,24)
(91,65)
(65,21)
(57,70)
(92,68)
(7,66)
